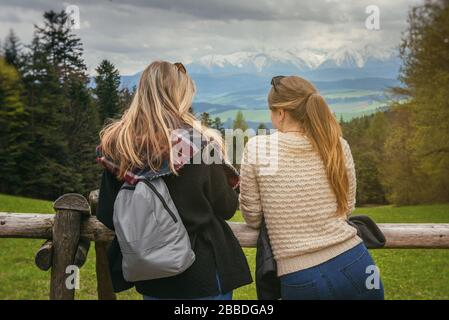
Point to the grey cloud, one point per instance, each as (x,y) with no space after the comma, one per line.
(325,11)
(132,33)
(317,10)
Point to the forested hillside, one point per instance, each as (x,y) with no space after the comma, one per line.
(402,155)
(50,118)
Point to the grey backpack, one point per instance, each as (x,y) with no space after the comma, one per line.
(153,240)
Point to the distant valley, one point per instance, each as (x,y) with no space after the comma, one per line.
(352,82)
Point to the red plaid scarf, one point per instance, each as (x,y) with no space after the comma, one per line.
(187,149)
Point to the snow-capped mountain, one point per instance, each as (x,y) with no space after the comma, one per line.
(344,58)
(257,61)
(249,62)
(251,69)
(278,61)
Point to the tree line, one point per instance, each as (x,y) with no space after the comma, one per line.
(49,114)
(402,155)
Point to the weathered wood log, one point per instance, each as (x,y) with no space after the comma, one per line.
(416,235)
(66,234)
(94,230)
(407,236)
(105,290)
(39,226)
(26,225)
(81,252)
(399,235)
(43,257)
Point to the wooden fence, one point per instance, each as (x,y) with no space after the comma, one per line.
(69,232)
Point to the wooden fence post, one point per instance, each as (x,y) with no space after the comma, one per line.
(66,234)
(105,290)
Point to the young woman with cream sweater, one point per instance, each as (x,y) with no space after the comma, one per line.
(305,198)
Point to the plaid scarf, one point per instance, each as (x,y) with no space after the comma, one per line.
(188,148)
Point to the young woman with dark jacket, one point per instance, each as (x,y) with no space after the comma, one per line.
(142,140)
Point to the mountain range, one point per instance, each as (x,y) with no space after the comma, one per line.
(353,81)
(295,60)
(342,63)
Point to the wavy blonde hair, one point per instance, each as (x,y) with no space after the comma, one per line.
(302,101)
(141,137)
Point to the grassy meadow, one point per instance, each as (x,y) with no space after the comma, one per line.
(407,274)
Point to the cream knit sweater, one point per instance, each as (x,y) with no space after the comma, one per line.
(287,185)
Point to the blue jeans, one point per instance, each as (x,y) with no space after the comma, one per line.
(221,296)
(347,276)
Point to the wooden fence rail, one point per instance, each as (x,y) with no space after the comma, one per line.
(68,234)
(398,235)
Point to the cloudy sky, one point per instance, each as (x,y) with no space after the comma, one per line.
(132,33)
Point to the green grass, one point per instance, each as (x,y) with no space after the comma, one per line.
(21,204)
(407,274)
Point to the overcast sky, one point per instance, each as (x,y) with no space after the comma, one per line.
(132,33)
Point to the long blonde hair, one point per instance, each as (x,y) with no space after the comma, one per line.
(141,137)
(302,101)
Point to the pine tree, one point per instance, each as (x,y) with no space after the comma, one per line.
(218,125)
(126,96)
(63,47)
(206,120)
(12,50)
(262,127)
(63,119)
(107,83)
(46,164)
(13,124)
(239,122)
(240,126)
